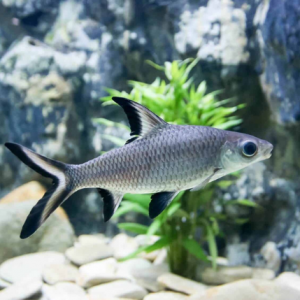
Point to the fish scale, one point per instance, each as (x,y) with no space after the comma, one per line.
(160,161)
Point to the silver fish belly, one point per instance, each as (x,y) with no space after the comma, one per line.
(161,158)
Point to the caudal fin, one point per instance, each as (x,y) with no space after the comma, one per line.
(55,196)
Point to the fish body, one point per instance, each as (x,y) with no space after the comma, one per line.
(161,158)
(173,158)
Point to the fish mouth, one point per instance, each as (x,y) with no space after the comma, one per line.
(268,151)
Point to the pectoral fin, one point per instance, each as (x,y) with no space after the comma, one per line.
(205,181)
(159,202)
(111,202)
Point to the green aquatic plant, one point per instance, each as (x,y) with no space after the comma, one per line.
(179,101)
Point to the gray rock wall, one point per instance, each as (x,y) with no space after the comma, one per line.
(57,57)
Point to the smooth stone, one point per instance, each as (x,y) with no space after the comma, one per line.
(289,279)
(4,284)
(225,274)
(127,268)
(98,272)
(143,240)
(32,190)
(108,298)
(222,261)
(87,239)
(249,289)
(64,291)
(161,257)
(120,288)
(60,273)
(56,234)
(166,296)
(15,269)
(84,254)
(271,255)
(149,256)
(265,274)
(123,245)
(24,289)
(38,297)
(147,278)
(181,284)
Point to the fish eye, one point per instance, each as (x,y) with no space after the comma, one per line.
(249,149)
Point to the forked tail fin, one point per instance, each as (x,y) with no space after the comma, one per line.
(55,196)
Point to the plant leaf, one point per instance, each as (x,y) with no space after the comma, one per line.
(161,243)
(243,202)
(127,207)
(212,245)
(224,183)
(134,227)
(155,226)
(194,248)
(141,199)
(154,65)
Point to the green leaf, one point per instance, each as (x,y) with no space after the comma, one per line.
(141,199)
(134,254)
(246,202)
(205,195)
(194,248)
(228,124)
(127,207)
(133,227)
(224,183)
(215,226)
(236,174)
(241,221)
(154,65)
(243,202)
(173,208)
(212,245)
(161,243)
(155,226)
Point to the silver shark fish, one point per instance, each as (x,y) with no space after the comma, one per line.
(161,158)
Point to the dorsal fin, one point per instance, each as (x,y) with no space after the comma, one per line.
(141,119)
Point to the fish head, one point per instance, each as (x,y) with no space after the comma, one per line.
(241,150)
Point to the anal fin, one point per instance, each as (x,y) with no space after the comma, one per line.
(159,202)
(111,201)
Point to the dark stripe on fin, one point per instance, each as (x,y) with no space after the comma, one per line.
(43,209)
(131,140)
(111,202)
(23,154)
(140,118)
(159,202)
(54,197)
